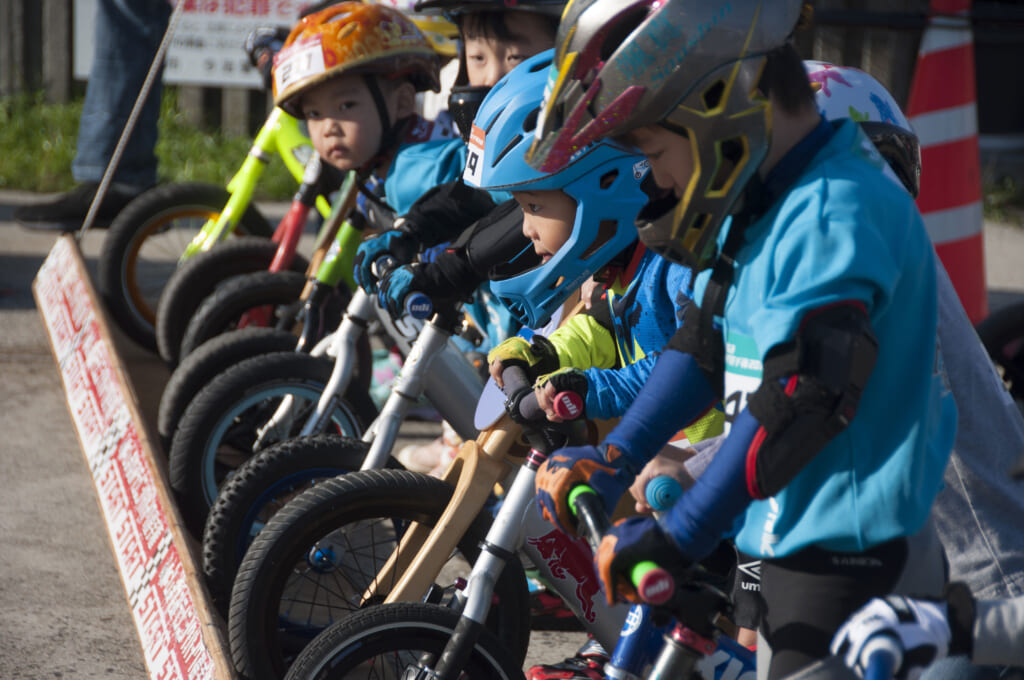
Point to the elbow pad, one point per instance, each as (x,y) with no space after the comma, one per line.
(810,391)
(444,211)
(494,239)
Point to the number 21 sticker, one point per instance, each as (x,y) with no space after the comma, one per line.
(299,61)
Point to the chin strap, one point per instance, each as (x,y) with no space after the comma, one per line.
(390,135)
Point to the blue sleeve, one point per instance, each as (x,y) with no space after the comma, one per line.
(675,394)
(611,391)
(709,511)
(422,166)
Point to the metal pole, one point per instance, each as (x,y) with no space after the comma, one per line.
(133,117)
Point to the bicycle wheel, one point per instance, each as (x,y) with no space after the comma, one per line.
(209,361)
(226,423)
(141,249)
(198,277)
(314,559)
(1002,333)
(387,641)
(276,294)
(258,490)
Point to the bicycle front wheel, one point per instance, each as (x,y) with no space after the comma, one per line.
(228,422)
(209,361)
(198,277)
(144,243)
(311,564)
(387,641)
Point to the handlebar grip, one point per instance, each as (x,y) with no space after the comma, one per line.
(662,492)
(568,405)
(653,584)
(883,656)
(419,305)
(592,520)
(515,379)
(519,391)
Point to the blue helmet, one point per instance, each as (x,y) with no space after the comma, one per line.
(603,179)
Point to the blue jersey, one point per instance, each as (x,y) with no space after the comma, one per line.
(420,166)
(845,232)
(636,317)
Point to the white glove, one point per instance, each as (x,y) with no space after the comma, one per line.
(920,627)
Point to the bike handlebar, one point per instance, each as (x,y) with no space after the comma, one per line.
(653,584)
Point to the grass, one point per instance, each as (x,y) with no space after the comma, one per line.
(38,142)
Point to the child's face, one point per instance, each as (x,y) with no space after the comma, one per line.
(548,217)
(343,122)
(488,57)
(670,156)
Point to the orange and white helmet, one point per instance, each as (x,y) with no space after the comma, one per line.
(352,37)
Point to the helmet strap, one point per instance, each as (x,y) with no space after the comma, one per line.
(390,133)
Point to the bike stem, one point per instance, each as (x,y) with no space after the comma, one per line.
(408,387)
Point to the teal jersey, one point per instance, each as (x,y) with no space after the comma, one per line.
(845,232)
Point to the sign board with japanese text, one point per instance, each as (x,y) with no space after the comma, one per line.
(207,45)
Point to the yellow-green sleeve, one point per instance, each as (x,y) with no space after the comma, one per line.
(584,343)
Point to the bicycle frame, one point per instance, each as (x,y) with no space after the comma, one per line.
(433,366)
(281,135)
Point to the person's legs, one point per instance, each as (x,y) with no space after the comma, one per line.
(127,36)
(126,39)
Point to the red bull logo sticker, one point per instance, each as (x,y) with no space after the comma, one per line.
(571,559)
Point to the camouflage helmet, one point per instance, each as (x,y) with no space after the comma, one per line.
(692,66)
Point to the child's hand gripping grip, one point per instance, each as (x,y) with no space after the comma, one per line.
(383,266)
(653,584)
(520,401)
(419,305)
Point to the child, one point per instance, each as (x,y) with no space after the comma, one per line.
(579,222)
(352,71)
(818,318)
(495,39)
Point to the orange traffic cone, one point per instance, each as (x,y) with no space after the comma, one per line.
(943,111)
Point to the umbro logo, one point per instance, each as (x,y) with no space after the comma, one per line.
(751,569)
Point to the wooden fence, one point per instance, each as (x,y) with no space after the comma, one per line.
(878,36)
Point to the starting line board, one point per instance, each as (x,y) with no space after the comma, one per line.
(179,636)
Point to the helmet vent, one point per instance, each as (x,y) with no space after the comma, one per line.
(530,122)
(605,231)
(608,178)
(712,96)
(508,147)
(731,153)
(622,26)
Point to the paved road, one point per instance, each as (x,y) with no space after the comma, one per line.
(65,614)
